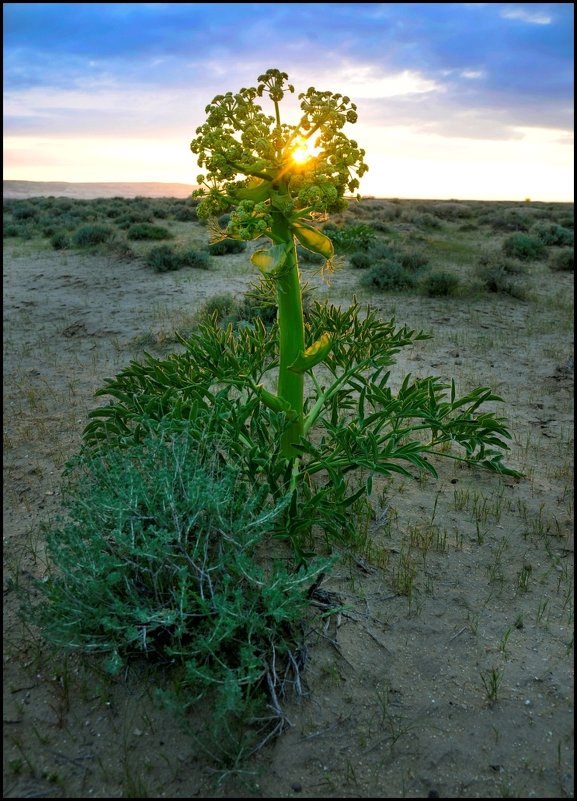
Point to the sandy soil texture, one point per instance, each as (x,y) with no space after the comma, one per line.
(450,671)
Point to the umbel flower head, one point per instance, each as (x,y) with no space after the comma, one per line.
(257,166)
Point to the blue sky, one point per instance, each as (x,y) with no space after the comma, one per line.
(455,100)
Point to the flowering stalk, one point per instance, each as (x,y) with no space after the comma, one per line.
(266,174)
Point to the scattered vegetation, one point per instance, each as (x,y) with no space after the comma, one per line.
(181,477)
(218,483)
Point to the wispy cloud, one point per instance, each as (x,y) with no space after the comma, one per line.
(140,71)
(527,15)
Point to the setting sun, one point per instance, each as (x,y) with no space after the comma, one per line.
(303,151)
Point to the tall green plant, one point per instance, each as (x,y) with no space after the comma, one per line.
(276,179)
(195,468)
(334,417)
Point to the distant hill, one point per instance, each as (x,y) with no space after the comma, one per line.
(87,191)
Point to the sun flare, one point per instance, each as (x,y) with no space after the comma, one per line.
(302,151)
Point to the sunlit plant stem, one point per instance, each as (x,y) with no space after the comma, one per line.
(258,168)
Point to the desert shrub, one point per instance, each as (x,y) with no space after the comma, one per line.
(380,251)
(186,214)
(199,259)
(495,277)
(89,235)
(120,249)
(389,276)
(508,220)
(25,211)
(146,231)
(113,212)
(360,260)
(497,260)
(60,241)
(561,260)
(388,211)
(523,247)
(219,306)
(351,237)
(552,234)
(226,246)
(450,210)
(163,259)
(440,284)
(427,221)
(134,217)
(13,230)
(412,260)
(380,227)
(159,555)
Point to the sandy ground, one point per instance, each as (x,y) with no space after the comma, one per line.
(398,695)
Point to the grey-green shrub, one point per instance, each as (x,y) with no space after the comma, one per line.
(60,241)
(226,246)
(440,284)
(389,276)
(496,278)
(561,260)
(159,555)
(163,259)
(412,260)
(350,238)
(88,235)
(199,259)
(147,231)
(552,234)
(523,247)
(360,260)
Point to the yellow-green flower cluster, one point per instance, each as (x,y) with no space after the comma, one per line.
(246,155)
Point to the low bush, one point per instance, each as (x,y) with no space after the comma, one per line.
(561,260)
(552,234)
(186,214)
(496,278)
(226,246)
(89,235)
(350,238)
(412,260)
(193,258)
(523,247)
(440,284)
(165,259)
(25,211)
(427,221)
(389,276)
(60,241)
(159,555)
(146,231)
(360,260)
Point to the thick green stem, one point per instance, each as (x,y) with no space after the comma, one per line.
(291,337)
